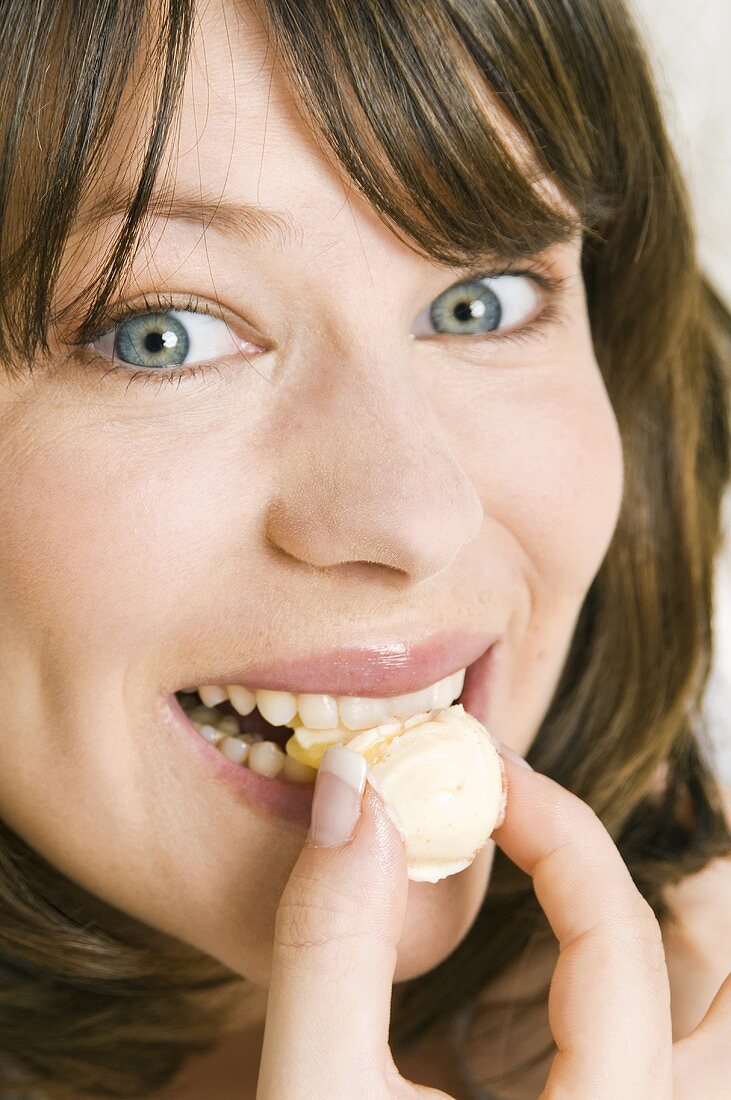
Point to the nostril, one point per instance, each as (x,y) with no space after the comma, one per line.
(374,571)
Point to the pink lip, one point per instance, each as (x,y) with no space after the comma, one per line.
(392,668)
(293,801)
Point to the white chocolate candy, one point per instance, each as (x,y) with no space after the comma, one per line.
(441,778)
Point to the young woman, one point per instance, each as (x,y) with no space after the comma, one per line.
(348,347)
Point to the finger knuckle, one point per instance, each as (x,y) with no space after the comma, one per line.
(643,935)
(313,918)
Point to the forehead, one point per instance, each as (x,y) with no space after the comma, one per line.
(241,137)
(238,134)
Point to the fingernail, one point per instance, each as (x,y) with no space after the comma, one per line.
(506,751)
(336,802)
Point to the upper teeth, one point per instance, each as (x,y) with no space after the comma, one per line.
(325,712)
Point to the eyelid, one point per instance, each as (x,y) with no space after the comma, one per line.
(547,280)
(120,310)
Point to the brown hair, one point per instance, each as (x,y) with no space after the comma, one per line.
(94,1003)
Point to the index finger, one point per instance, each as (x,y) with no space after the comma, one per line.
(609,1002)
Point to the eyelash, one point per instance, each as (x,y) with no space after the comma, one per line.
(552,314)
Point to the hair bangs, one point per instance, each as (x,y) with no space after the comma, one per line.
(74,72)
(399,94)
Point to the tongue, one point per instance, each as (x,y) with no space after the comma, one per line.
(257,723)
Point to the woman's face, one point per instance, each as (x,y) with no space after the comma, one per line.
(356,477)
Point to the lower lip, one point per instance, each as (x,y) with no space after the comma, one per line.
(293,801)
(280,797)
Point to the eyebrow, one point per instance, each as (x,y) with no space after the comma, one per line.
(247,222)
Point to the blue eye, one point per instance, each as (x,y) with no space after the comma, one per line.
(478,306)
(168,339)
(152,340)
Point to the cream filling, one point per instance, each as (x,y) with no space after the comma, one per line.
(443,783)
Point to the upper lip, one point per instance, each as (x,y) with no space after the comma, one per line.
(383,669)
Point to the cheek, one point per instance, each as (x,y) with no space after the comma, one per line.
(571,474)
(111,535)
(547,460)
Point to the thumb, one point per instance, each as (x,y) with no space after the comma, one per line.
(339,921)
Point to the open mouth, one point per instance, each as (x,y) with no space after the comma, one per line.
(251,727)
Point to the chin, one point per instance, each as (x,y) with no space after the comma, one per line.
(439,916)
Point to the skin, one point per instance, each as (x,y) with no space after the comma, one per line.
(154,535)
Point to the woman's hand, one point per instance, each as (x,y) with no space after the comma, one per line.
(341,916)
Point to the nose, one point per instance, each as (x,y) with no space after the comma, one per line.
(366,478)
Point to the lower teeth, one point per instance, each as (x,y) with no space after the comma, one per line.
(250,750)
